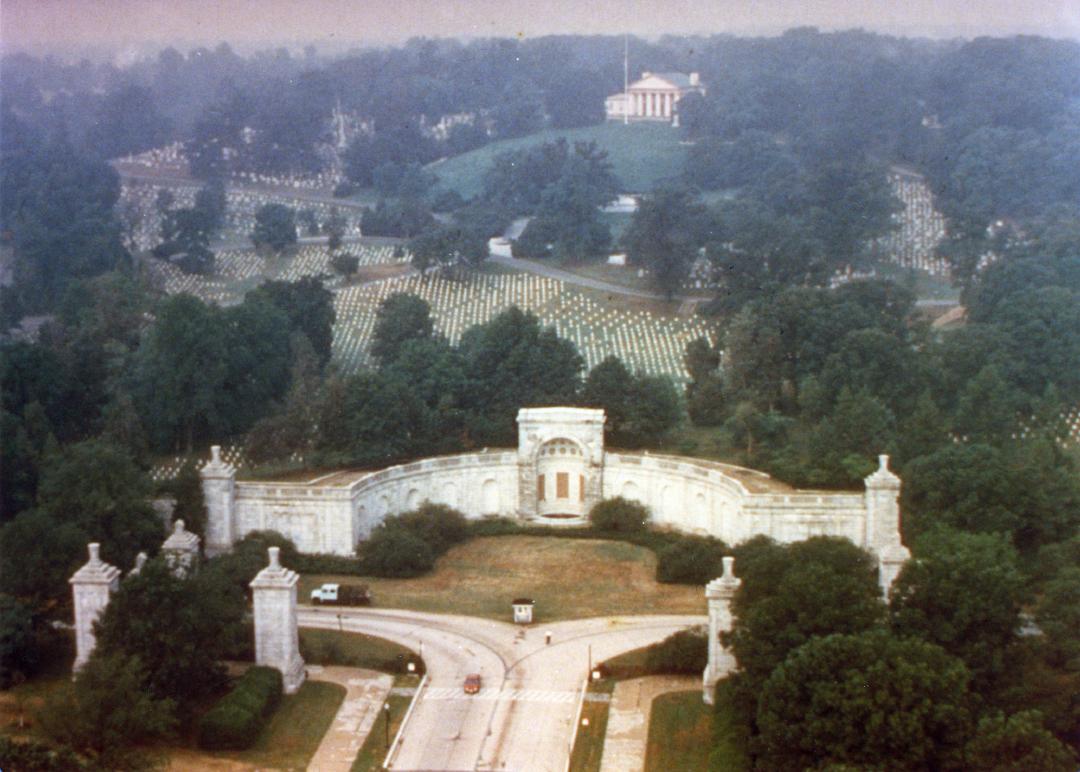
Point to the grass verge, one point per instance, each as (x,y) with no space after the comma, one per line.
(589,744)
(374,749)
(680,733)
(332,647)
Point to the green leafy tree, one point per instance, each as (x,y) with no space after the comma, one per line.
(987,409)
(18,644)
(664,236)
(178,628)
(1027,489)
(867,700)
(448,247)
(180,372)
(401,318)
(705,396)
(1058,616)
(610,386)
(809,589)
(309,307)
(1003,743)
(108,710)
(275,227)
(89,491)
(962,592)
(654,410)
(512,362)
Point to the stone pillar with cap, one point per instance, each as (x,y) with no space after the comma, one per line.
(882,535)
(181,551)
(219,492)
(91,588)
(719,593)
(277,643)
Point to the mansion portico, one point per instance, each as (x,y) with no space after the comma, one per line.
(653,98)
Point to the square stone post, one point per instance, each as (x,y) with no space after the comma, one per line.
(219,492)
(181,551)
(883,523)
(91,587)
(277,643)
(719,593)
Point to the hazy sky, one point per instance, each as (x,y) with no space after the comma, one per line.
(78,23)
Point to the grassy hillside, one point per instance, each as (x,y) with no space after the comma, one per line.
(643,154)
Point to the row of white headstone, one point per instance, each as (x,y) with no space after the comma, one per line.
(277,641)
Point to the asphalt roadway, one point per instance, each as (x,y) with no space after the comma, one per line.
(522,718)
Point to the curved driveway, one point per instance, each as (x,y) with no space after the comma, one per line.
(522,719)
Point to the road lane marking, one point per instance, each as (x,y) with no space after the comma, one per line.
(510,695)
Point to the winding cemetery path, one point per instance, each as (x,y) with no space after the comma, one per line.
(523,717)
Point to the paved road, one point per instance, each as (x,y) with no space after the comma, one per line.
(551,272)
(522,719)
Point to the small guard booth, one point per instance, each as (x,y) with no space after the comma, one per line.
(523,611)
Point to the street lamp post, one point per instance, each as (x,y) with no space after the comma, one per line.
(386,723)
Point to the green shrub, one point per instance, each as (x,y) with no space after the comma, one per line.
(235,722)
(36,756)
(439,526)
(686,651)
(407,544)
(690,560)
(396,553)
(619,515)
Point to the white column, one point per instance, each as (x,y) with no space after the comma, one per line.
(277,642)
(91,588)
(719,593)
(667,105)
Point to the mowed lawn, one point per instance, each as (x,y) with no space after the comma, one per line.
(680,733)
(643,155)
(568,579)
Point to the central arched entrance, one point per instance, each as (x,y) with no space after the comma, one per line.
(561,483)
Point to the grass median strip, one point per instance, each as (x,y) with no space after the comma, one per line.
(375,747)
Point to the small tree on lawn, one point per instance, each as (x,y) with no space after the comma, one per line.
(275,226)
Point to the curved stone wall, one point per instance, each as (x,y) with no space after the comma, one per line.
(333,513)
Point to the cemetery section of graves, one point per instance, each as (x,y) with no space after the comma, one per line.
(646,341)
(238,270)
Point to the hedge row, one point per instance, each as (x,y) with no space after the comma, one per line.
(235,721)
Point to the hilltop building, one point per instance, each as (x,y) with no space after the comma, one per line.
(653,98)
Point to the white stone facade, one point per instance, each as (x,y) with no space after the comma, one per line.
(655,97)
(277,642)
(92,587)
(564,447)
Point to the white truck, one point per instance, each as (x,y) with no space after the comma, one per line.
(341,594)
